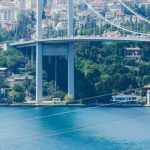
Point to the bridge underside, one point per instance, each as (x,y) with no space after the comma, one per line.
(62,47)
(51,49)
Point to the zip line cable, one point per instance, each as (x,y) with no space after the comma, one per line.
(109,94)
(96,124)
(38,106)
(70,130)
(65,112)
(26,110)
(68,112)
(63,129)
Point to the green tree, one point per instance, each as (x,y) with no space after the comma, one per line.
(18,93)
(15,59)
(2,81)
(68,98)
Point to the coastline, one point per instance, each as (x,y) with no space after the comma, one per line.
(68,105)
(42,105)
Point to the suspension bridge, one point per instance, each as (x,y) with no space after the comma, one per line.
(60,41)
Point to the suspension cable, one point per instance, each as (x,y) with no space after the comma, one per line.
(131,10)
(117,26)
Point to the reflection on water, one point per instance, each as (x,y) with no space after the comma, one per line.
(101,128)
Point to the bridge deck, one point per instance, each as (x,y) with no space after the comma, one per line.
(77,39)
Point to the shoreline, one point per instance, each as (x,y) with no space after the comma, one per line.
(68,105)
(42,105)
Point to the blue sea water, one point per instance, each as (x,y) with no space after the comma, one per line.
(87,129)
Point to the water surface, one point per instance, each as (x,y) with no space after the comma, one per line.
(87,129)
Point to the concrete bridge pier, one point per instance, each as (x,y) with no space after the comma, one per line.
(39,89)
(70,69)
(70,49)
(32,57)
(54,49)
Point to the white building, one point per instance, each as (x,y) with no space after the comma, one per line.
(126,98)
(3,46)
(26,4)
(9,11)
(8,18)
(148,98)
(30,4)
(8,14)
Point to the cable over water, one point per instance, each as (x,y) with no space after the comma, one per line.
(70,130)
(66,112)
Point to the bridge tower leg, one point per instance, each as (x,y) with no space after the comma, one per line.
(39,72)
(71,50)
(32,57)
(70,17)
(39,53)
(39,12)
(71,70)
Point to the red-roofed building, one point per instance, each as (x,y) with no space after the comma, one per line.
(135,52)
(147,87)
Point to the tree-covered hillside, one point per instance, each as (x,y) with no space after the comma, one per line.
(104,69)
(100,67)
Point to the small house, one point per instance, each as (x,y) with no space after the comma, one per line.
(4,71)
(132,52)
(18,79)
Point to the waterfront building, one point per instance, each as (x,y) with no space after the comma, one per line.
(18,79)
(124,97)
(4,71)
(3,46)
